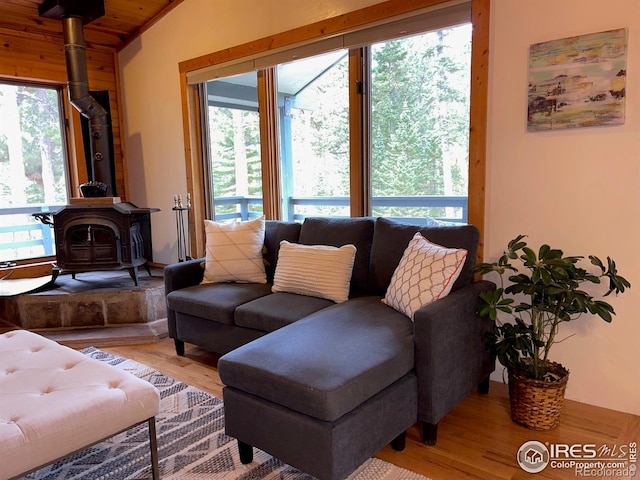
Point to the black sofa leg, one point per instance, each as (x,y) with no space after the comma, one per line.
(399,442)
(179,347)
(429,433)
(246,452)
(483,386)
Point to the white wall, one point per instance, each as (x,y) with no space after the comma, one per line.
(577,190)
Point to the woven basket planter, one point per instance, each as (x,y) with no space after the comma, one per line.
(537,404)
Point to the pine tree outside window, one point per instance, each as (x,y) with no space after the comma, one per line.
(234,168)
(33,168)
(380,128)
(420,123)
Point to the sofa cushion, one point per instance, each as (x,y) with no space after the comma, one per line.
(215,301)
(315,270)
(328,363)
(234,252)
(342,231)
(425,274)
(275,232)
(274,311)
(390,239)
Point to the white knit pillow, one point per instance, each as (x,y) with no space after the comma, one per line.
(234,252)
(314,270)
(426,273)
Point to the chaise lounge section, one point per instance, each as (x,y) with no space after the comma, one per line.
(324,385)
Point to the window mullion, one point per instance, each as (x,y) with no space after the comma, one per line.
(269,143)
(359,138)
(200,93)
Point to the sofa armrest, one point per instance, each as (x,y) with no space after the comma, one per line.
(450,354)
(183,275)
(177,276)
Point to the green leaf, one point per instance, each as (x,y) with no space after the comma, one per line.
(528,256)
(544,250)
(515,245)
(539,300)
(597,262)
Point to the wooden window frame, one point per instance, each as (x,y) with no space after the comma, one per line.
(358,19)
(41,265)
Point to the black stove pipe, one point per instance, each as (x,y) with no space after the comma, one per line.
(78,82)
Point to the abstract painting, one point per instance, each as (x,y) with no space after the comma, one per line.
(578,81)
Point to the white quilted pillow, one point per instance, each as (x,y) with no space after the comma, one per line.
(426,272)
(234,252)
(315,270)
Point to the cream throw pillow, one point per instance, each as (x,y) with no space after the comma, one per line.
(234,252)
(315,270)
(426,273)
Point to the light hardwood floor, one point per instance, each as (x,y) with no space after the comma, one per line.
(476,440)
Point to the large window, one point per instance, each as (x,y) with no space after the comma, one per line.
(313,100)
(33,168)
(234,171)
(375,121)
(420,125)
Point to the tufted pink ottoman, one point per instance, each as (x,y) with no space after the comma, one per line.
(55,401)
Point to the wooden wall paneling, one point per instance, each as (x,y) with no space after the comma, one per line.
(23,57)
(31,49)
(74,174)
(116,126)
(77,164)
(123,21)
(26,20)
(103,75)
(36,58)
(119,133)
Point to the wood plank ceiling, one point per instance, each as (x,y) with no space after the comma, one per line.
(123,21)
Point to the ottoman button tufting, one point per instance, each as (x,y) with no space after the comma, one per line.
(28,440)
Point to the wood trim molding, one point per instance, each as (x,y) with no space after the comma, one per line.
(352,21)
(360,185)
(193,158)
(269,145)
(323,29)
(480,14)
(123,141)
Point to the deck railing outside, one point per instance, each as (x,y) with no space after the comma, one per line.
(22,233)
(244,212)
(27,234)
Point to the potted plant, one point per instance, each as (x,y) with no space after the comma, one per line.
(549,289)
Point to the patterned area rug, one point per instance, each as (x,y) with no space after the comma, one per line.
(191,443)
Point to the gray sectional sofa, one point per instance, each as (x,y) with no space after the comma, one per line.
(323,386)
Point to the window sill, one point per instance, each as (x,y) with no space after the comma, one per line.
(38,268)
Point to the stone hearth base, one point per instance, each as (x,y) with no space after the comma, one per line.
(95,305)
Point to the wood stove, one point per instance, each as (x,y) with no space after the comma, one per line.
(96,232)
(102,236)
